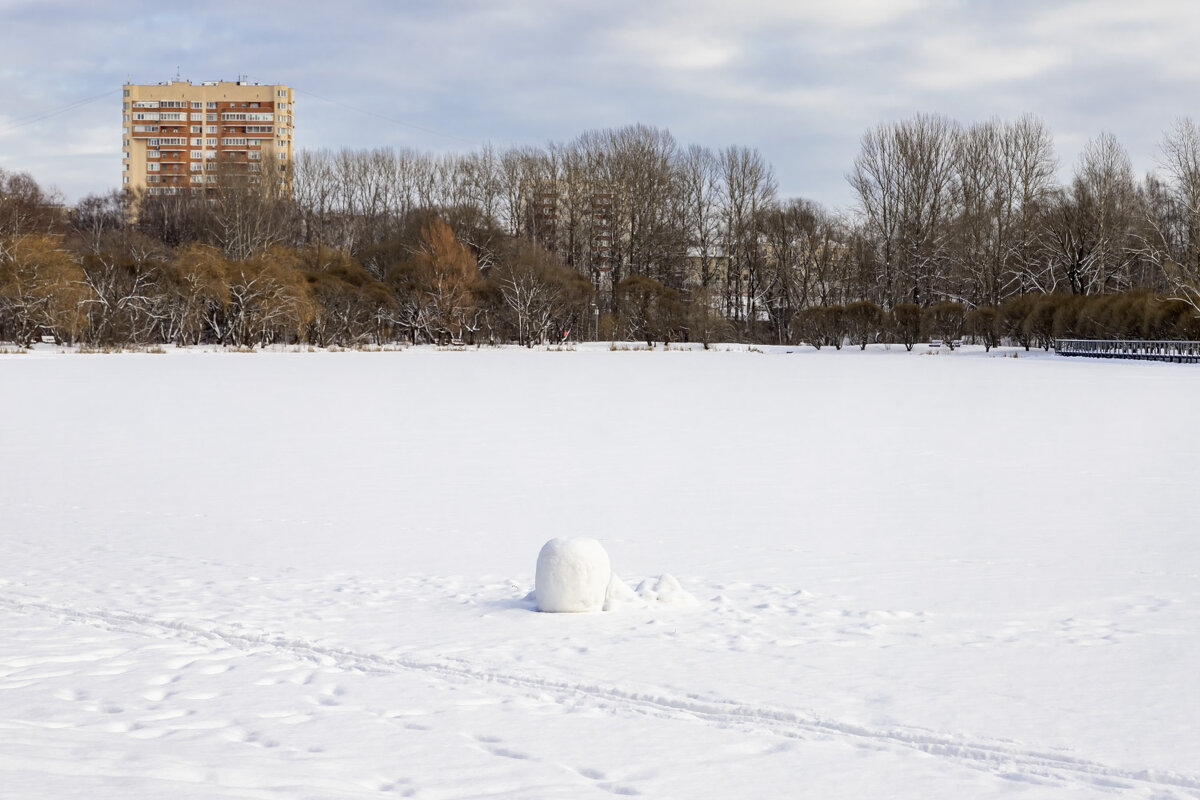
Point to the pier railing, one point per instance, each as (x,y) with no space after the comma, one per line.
(1143,349)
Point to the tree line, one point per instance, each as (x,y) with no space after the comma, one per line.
(625,233)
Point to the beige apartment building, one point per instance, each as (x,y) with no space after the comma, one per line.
(179,137)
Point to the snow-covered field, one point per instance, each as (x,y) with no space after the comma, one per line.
(294,575)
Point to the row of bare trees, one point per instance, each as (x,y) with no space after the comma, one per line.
(975,214)
(144,293)
(621,232)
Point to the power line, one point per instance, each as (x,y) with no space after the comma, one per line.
(38,116)
(384,118)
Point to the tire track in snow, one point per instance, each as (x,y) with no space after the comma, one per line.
(998,758)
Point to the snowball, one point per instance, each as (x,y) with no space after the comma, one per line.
(572,575)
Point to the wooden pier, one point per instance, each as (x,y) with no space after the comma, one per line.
(1140,349)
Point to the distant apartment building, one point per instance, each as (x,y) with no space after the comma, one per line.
(178,137)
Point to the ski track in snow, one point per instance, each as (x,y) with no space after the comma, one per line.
(999,758)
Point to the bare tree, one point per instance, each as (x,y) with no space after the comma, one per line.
(788,233)
(97,218)
(195,296)
(451,277)
(649,236)
(699,194)
(1107,176)
(983,204)
(1028,178)
(250,208)
(537,292)
(41,288)
(25,207)
(268,300)
(122,306)
(1172,239)
(749,188)
(903,176)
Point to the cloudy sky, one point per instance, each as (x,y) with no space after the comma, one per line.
(801,80)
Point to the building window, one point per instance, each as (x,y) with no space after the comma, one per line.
(254,155)
(210,142)
(196,166)
(247,117)
(152,179)
(126,93)
(145,129)
(210,104)
(196,117)
(125,179)
(152,154)
(153,167)
(197,129)
(197,104)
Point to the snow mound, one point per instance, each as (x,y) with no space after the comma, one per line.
(665,590)
(619,594)
(572,575)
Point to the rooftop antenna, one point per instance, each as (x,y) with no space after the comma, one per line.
(178,76)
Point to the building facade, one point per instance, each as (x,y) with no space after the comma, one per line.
(179,137)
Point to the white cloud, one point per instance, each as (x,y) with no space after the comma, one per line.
(967,64)
(803,78)
(674,51)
